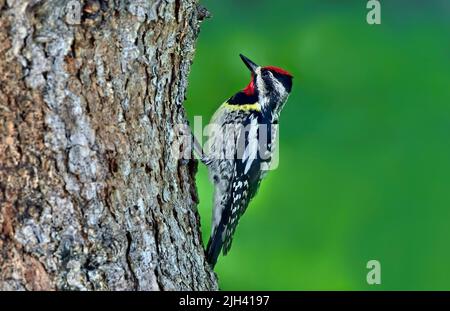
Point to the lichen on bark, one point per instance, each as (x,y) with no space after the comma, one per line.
(90,196)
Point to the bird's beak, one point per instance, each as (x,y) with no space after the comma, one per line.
(250,65)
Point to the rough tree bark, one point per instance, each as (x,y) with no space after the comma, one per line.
(90,196)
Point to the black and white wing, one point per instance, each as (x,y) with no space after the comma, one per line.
(238,190)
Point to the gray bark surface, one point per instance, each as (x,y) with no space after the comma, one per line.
(90,196)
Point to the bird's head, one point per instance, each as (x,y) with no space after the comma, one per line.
(272,84)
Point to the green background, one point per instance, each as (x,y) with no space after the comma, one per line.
(364,143)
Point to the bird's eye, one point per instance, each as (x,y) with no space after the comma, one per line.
(266,73)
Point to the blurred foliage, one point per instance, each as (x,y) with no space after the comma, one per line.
(364,154)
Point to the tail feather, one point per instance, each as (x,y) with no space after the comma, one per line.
(213,248)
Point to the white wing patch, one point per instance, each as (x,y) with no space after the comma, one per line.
(251,149)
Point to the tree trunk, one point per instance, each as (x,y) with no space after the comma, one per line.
(90,196)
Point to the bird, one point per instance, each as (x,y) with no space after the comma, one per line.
(240,147)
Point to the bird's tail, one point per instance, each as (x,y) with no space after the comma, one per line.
(214,247)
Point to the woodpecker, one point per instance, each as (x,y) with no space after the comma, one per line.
(236,155)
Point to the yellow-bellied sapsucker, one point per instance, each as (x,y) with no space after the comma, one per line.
(240,148)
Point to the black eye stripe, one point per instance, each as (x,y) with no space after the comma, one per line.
(283,79)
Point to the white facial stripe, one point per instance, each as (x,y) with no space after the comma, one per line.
(280,87)
(283,96)
(261,87)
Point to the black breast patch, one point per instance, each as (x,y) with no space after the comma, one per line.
(241,98)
